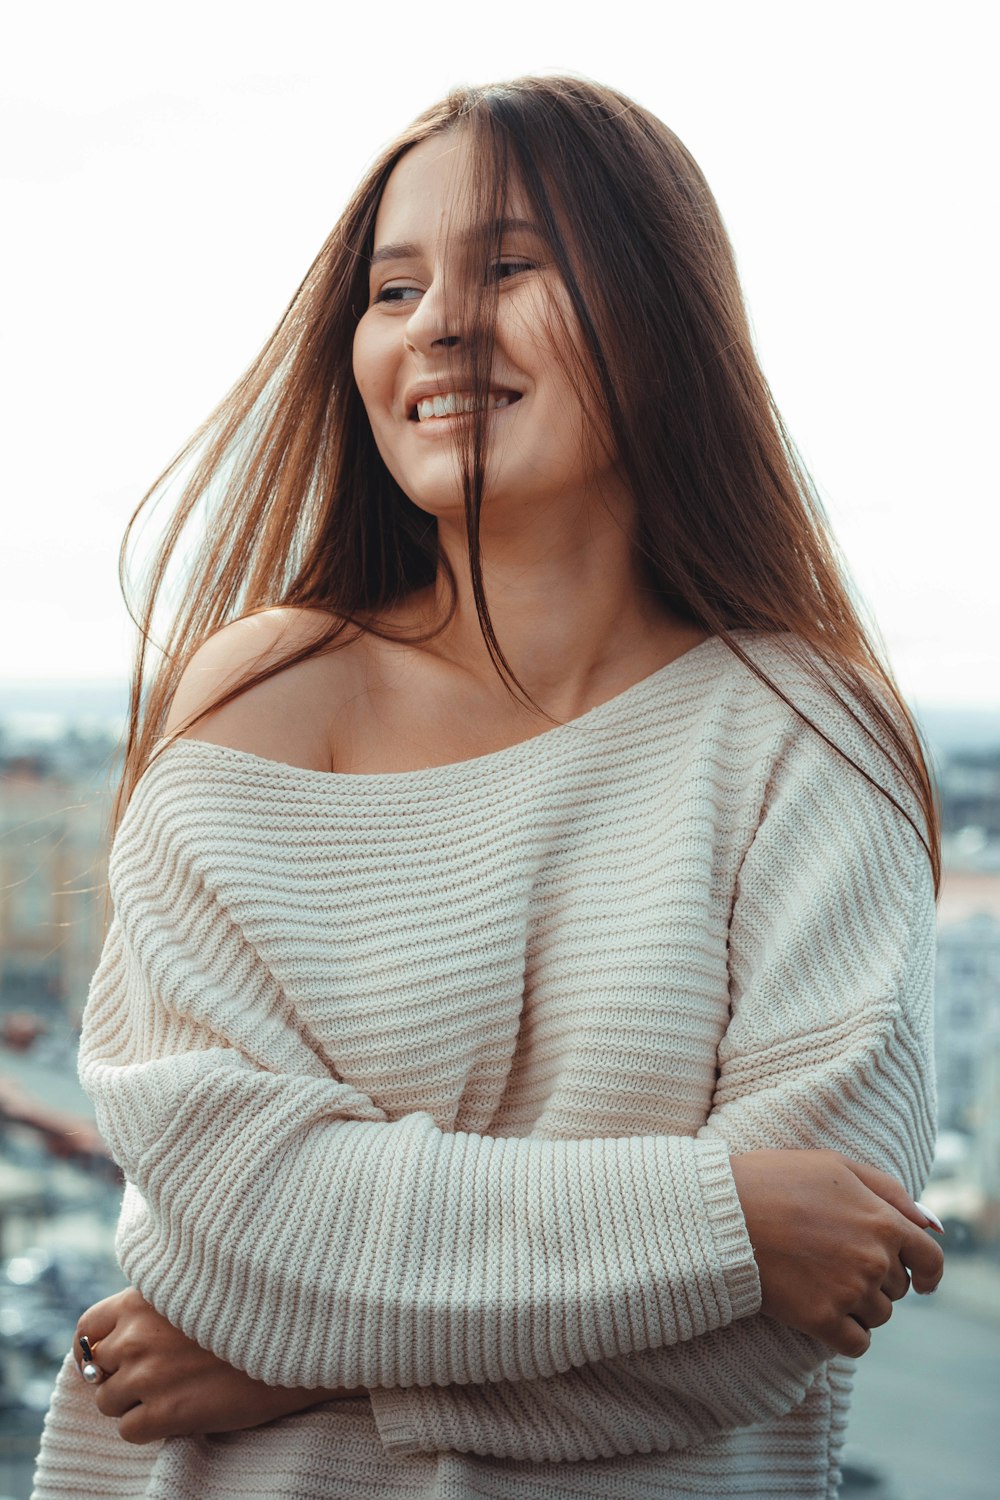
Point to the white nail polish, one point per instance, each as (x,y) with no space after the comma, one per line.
(933,1218)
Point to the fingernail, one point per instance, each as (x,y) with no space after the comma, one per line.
(933,1222)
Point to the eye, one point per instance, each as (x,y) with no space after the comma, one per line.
(503,270)
(393,295)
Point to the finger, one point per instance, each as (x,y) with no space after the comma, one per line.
(933,1222)
(875,1311)
(897,1281)
(112,1352)
(97,1323)
(848,1336)
(99,1319)
(892,1192)
(141,1425)
(152,1421)
(79,1352)
(103,1351)
(115,1397)
(924,1258)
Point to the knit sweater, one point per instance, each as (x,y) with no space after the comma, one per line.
(428,1082)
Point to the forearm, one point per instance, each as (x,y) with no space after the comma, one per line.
(663,1399)
(547,1254)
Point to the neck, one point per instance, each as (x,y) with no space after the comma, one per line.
(571,610)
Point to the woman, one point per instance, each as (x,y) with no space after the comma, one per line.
(514,1026)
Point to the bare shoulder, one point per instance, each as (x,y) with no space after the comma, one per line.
(288,716)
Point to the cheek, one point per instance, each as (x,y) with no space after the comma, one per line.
(360,361)
(371,361)
(525,333)
(541,336)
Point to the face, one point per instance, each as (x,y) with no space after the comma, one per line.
(411,352)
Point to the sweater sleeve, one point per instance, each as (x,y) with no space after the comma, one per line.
(831,948)
(386,1253)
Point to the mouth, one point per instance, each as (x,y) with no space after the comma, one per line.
(458,403)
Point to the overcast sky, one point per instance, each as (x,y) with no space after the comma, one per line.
(172,170)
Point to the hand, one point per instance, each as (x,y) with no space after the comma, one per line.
(161,1384)
(833,1239)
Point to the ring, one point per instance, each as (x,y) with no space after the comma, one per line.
(90,1369)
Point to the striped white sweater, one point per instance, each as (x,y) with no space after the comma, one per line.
(428,1082)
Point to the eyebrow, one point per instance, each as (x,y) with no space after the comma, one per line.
(407,250)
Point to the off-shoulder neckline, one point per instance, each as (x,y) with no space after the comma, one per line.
(193,748)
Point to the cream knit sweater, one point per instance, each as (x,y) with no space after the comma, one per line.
(428,1082)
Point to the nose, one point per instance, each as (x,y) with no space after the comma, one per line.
(433,324)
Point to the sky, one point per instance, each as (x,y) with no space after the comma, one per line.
(171,172)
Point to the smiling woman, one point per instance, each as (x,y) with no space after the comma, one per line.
(414,362)
(514,1023)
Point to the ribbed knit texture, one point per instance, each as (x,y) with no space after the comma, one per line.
(428,1082)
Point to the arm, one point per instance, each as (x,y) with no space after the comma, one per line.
(829,1045)
(263,1181)
(712,1384)
(222,1017)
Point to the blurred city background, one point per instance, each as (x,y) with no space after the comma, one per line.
(924,1415)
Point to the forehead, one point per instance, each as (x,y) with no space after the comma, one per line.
(427,195)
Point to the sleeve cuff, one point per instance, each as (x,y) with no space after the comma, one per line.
(396,1414)
(736,1260)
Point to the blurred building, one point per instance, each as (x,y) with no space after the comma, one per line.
(53,871)
(967,994)
(967,1000)
(970,789)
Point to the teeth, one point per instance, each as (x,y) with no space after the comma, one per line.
(453,402)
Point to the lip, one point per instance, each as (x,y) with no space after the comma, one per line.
(445,426)
(442,387)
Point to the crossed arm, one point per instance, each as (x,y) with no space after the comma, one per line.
(159,1383)
(831,1240)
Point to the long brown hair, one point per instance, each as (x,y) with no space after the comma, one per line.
(302,511)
